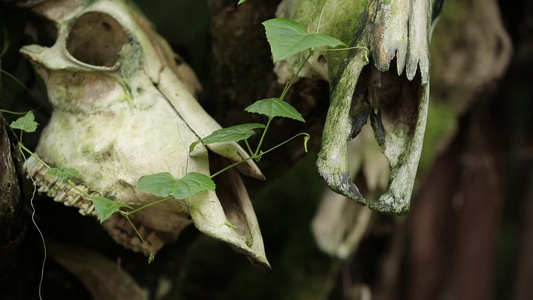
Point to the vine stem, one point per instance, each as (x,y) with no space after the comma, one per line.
(134,228)
(17,81)
(12,112)
(35,222)
(256,153)
(320,17)
(127,213)
(283,94)
(40,235)
(254,156)
(295,76)
(34,155)
(6,41)
(233,165)
(286,141)
(248,146)
(350,48)
(346,48)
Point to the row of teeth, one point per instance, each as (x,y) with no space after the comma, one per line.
(122,232)
(63,192)
(68,194)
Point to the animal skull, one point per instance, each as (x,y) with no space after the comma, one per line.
(395,35)
(123,109)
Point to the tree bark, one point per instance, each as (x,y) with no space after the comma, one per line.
(12,226)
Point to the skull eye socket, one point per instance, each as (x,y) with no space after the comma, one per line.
(96,39)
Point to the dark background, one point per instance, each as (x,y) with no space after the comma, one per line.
(469,234)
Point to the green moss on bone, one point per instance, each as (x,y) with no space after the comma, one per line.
(115,124)
(389,30)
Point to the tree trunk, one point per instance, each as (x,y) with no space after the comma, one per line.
(12,224)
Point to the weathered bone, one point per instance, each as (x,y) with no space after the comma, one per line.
(123,109)
(339,223)
(395,104)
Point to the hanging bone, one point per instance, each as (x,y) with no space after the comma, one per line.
(393,95)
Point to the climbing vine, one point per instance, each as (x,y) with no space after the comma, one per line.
(286,38)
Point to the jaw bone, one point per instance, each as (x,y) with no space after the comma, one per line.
(394,101)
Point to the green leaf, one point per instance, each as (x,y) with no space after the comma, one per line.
(105,207)
(151,258)
(191,184)
(164,184)
(64,174)
(288,37)
(160,184)
(241,2)
(275,107)
(25,123)
(230,134)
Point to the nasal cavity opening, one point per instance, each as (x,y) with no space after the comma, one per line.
(96,39)
(44,31)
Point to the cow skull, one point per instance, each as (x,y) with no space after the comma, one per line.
(122,109)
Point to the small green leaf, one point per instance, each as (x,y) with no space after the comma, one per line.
(105,207)
(160,184)
(64,174)
(191,147)
(25,123)
(164,184)
(241,2)
(288,37)
(191,184)
(151,258)
(230,134)
(275,107)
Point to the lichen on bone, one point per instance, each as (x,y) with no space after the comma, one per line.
(122,109)
(382,80)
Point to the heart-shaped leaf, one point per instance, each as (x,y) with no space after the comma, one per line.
(191,184)
(160,184)
(230,134)
(25,123)
(288,37)
(164,184)
(105,207)
(275,107)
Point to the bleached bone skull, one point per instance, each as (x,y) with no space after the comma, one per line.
(123,109)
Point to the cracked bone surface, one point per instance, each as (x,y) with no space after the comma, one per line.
(384,79)
(122,109)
